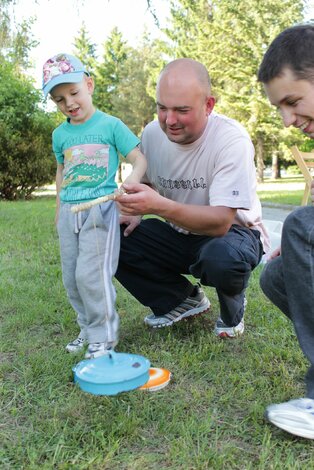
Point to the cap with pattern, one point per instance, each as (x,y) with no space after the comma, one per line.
(62,68)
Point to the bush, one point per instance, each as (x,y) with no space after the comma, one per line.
(26,160)
(293,170)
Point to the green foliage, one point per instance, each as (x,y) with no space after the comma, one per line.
(25,137)
(307,145)
(5,37)
(85,49)
(125,78)
(230,38)
(293,170)
(131,102)
(108,71)
(15,43)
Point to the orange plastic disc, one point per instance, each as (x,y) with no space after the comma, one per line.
(158,379)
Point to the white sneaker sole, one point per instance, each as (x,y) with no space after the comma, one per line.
(75,349)
(292,422)
(231,333)
(96,354)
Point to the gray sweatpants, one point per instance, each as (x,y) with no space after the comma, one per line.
(288,281)
(89,246)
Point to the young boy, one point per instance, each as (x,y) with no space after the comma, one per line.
(287,72)
(86,147)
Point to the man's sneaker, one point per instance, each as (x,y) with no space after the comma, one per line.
(76,345)
(191,306)
(224,331)
(97,350)
(294,416)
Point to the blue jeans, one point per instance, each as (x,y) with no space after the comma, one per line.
(288,281)
(155,258)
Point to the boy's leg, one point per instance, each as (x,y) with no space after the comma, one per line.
(69,250)
(99,243)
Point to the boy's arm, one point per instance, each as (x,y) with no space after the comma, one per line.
(139,164)
(59,179)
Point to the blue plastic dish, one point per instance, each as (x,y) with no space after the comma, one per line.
(112,373)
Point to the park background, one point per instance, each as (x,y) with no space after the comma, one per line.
(211,414)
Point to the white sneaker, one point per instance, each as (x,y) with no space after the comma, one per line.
(97,350)
(294,416)
(76,345)
(224,331)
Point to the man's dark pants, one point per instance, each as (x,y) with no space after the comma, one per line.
(155,258)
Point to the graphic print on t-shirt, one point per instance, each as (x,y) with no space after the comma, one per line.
(85,165)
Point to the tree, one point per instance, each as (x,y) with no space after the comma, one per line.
(5,37)
(133,100)
(25,137)
(230,37)
(15,43)
(25,130)
(108,71)
(85,49)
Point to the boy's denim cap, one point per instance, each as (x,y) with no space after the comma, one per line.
(62,68)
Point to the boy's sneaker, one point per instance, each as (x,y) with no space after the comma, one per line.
(76,345)
(97,350)
(294,416)
(191,306)
(224,331)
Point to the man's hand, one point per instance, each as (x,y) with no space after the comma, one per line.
(274,254)
(131,223)
(139,199)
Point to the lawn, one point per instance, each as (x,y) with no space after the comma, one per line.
(211,415)
(287,190)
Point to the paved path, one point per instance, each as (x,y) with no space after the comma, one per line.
(273,216)
(272,212)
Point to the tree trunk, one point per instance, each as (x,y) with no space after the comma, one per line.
(275,166)
(259,160)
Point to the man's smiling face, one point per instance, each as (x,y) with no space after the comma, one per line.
(294,98)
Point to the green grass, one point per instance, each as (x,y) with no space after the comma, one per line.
(287,190)
(209,417)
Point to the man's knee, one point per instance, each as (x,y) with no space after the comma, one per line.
(222,267)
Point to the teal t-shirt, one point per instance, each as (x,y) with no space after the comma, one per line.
(90,154)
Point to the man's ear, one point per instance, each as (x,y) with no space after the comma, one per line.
(210,103)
